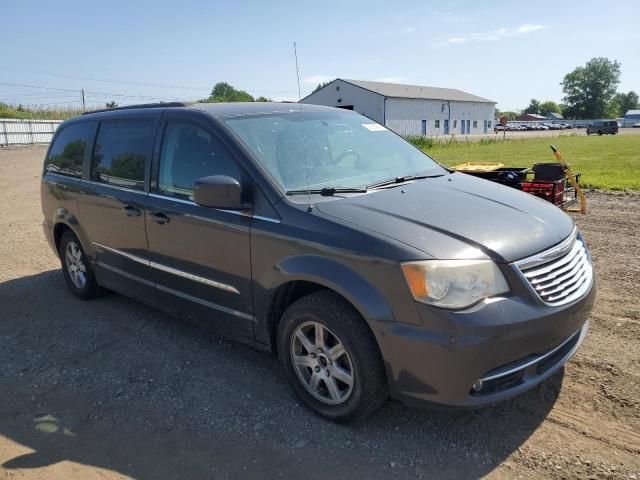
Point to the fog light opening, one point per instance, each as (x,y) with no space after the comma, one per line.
(477,386)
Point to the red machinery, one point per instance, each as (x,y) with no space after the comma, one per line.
(554,182)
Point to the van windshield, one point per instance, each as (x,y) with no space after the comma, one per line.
(332,149)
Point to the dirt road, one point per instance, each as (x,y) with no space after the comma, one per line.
(112,388)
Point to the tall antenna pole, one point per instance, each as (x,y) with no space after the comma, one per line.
(295,52)
(304,143)
(84,108)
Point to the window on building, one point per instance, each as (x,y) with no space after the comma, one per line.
(489,124)
(424,127)
(189,153)
(68,149)
(337,88)
(121,153)
(475,124)
(455,124)
(437,124)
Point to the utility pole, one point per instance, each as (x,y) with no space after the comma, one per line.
(84,108)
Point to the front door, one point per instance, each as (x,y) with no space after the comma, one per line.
(200,256)
(462,127)
(112,205)
(446,127)
(485,126)
(468,126)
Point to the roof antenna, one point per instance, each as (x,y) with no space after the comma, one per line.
(304,146)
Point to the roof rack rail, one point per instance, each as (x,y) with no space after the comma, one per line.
(142,105)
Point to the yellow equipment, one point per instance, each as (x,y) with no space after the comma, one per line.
(572,180)
(478,167)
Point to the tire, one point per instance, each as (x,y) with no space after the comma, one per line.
(76,269)
(340,324)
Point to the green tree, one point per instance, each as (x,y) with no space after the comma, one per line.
(534,107)
(320,85)
(510,115)
(549,106)
(626,102)
(223,92)
(110,104)
(588,90)
(263,99)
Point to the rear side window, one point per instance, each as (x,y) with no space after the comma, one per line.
(68,149)
(121,153)
(189,153)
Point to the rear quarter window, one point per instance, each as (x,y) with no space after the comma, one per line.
(69,148)
(121,153)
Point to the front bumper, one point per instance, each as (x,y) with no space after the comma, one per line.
(511,344)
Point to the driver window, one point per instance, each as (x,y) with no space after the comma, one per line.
(189,153)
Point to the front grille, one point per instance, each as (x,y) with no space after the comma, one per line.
(560,275)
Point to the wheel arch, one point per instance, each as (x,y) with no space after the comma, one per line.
(64,220)
(301,276)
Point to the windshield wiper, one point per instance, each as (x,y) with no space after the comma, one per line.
(327,191)
(402,179)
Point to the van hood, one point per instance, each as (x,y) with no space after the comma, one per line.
(457,216)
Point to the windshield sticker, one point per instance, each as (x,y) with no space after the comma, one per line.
(373,127)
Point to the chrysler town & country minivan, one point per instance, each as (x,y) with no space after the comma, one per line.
(369,269)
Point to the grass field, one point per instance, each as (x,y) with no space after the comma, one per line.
(607,162)
(42,112)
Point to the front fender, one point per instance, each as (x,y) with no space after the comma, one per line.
(330,274)
(336,276)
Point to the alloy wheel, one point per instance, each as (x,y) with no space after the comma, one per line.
(75,266)
(322,363)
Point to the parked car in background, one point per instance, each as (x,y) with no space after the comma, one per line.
(312,232)
(606,127)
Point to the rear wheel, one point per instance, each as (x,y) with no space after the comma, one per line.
(76,269)
(331,358)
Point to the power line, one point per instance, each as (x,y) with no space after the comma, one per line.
(156,85)
(38,86)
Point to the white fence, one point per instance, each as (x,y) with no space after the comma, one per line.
(26,132)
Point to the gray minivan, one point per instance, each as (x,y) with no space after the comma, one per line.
(603,127)
(369,269)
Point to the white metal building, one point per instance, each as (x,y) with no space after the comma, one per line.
(631,118)
(410,109)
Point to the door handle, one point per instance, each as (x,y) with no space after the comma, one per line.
(131,211)
(160,218)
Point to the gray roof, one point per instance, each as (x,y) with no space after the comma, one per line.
(555,115)
(215,109)
(398,90)
(632,112)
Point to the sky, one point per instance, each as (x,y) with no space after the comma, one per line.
(148,50)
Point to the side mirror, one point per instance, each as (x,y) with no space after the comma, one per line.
(218,191)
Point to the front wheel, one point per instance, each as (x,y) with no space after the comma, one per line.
(331,358)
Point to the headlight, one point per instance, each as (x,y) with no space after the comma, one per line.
(453,283)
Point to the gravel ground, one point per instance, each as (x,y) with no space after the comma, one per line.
(112,388)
